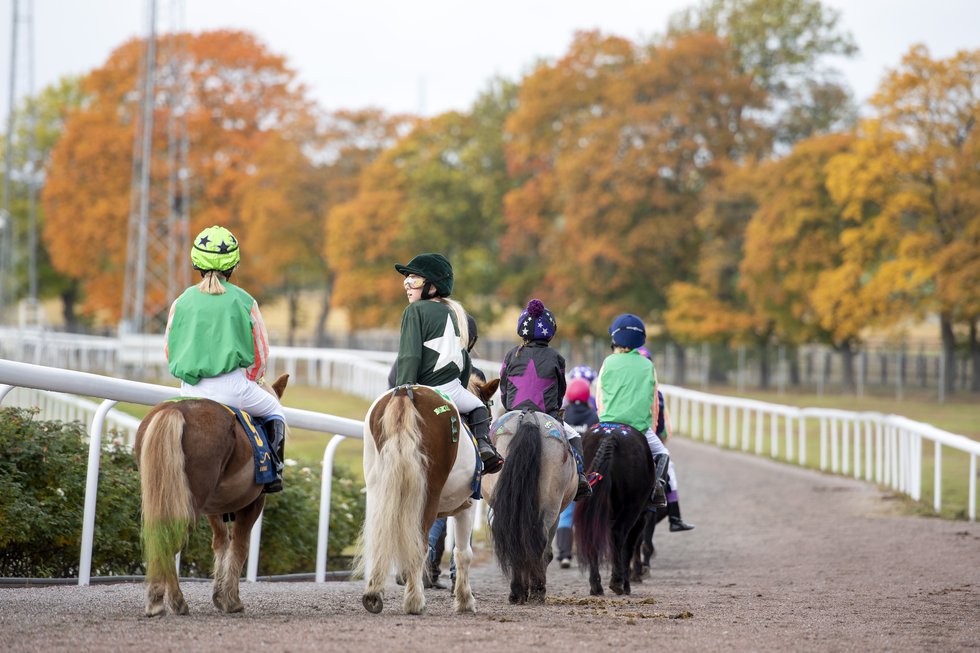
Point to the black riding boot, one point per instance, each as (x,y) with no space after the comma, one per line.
(659,496)
(276,433)
(674,514)
(478,420)
(584,489)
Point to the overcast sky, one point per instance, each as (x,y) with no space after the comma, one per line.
(430,56)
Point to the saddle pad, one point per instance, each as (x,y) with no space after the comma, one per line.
(507,425)
(264,469)
(614,428)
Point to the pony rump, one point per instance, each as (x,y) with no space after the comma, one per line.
(393,522)
(518,538)
(592,527)
(168,509)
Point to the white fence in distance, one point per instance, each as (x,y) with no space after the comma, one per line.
(879,448)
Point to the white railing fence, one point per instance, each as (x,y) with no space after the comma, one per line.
(28,376)
(882,449)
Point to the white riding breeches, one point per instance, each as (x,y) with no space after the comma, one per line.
(656,445)
(234,389)
(465,400)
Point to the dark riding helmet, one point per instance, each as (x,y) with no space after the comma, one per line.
(536,322)
(434,268)
(628,331)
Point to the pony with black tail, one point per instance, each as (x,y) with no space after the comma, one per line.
(608,525)
(538,482)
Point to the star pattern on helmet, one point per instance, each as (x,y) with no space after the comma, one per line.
(223,247)
(447,346)
(530,386)
(204,242)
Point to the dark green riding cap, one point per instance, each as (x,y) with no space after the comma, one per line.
(435,268)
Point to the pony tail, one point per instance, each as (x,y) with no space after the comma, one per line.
(592,517)
(518,539)
(168,509)
(464,326)
(392,533)
(211,283)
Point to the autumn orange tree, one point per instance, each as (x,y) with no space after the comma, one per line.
(611,146)
(793,270)
(911,184)
(247,117)
(439,189)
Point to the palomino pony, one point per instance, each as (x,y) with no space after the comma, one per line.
(419,464)
(194,458)
(608,524)
(538,481)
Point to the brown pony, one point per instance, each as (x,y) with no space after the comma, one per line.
(195,459)
(419,464)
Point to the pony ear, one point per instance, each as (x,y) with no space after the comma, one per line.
(486,392)
(280,384)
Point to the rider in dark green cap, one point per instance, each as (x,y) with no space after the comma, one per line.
(432,349)
(216,341)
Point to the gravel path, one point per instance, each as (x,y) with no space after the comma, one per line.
(782,559)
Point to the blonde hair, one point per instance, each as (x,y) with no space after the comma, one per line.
(211,283)
(464,326)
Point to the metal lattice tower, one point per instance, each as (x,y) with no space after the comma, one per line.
(159,222)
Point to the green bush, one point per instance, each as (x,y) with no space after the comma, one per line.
(42,499)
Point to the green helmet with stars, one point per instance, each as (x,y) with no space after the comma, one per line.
(215,248)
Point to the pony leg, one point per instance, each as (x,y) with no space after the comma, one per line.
(463,600)
(538,579)
(236,554)
(219,544)
(595,580)
(414,599)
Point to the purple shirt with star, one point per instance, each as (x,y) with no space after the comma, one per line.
(532,377)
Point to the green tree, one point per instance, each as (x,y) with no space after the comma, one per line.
(784,45)
(39,124)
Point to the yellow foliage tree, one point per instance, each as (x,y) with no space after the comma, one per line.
(911,184)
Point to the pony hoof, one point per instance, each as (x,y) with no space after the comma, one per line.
(373,603)
(596,592)
(154,610)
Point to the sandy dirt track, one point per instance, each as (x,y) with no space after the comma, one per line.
(782,559)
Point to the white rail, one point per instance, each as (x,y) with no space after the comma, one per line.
(882,449)
(23,375)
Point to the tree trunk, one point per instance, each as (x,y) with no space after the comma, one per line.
(794,367)
(320,333)
(292,296)
(949,352)
(69,298)
(847,362)
(974,357)
(763,367)
(681,366)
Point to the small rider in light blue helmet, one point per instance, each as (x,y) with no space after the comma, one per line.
(626,391)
